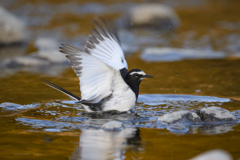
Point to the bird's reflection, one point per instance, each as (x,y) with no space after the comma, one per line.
(100,144)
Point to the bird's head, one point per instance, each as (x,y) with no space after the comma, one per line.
(137,75)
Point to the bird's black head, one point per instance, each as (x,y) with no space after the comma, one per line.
(136,76)
(133,79)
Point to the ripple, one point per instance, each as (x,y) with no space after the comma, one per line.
(61,116)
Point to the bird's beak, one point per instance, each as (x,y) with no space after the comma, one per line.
(148,76)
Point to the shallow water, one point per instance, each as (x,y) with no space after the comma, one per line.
(47,125)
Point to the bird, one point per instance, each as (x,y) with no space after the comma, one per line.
(105,82)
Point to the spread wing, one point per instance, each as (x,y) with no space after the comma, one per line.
(104,45)
(96,78)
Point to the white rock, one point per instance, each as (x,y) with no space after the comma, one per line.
(54,56)
(11,28)
(49,49)
(176,54)
(113,125)
(30,61)
(179,115)
(216,154)
(217,114)
(154,14)
(46,43)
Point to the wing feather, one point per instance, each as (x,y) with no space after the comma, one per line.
(96,77)
(104,45)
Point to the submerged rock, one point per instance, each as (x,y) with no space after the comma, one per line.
(12,29)
(177,121)
(176,54)
(153,15)
(205,119)
(217,154)
(183,116)
(216,114)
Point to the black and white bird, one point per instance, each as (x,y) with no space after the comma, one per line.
(105,82)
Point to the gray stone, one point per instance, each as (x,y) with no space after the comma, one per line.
(30,61)
(153,15)
(156,54)
(216,154)
(12,30)
(216,114)
(8,52)
(183,116)
(211,120)
(178,128)
(49,49)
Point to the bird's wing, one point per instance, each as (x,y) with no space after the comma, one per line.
(96,77)
(104,45)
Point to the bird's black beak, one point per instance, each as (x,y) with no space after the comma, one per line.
(148,76)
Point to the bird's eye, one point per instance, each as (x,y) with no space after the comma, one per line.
(135,75)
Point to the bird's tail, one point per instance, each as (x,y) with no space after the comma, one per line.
(71,95)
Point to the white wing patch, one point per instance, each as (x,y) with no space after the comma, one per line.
(104,45)
(95,77)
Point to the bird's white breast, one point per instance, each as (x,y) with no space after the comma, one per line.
(122,99)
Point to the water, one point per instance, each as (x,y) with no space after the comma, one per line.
(45,124)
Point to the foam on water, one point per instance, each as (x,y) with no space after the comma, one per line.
(14,106)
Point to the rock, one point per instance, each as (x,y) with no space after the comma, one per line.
(8,52)
(216,114)
(113,125)
(184,121)
(49,49)
(46,44)
(217,154)
(12,30)
(153,15)
(47,54)
(183,116)
(176,54)
(29,61)
(178,128)
(177,122)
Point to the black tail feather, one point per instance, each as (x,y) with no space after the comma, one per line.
(71,95)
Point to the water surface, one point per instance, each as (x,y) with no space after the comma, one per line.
(51,126)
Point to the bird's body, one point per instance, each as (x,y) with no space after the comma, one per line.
(105,83)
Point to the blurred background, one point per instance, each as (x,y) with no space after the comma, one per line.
(189,46)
